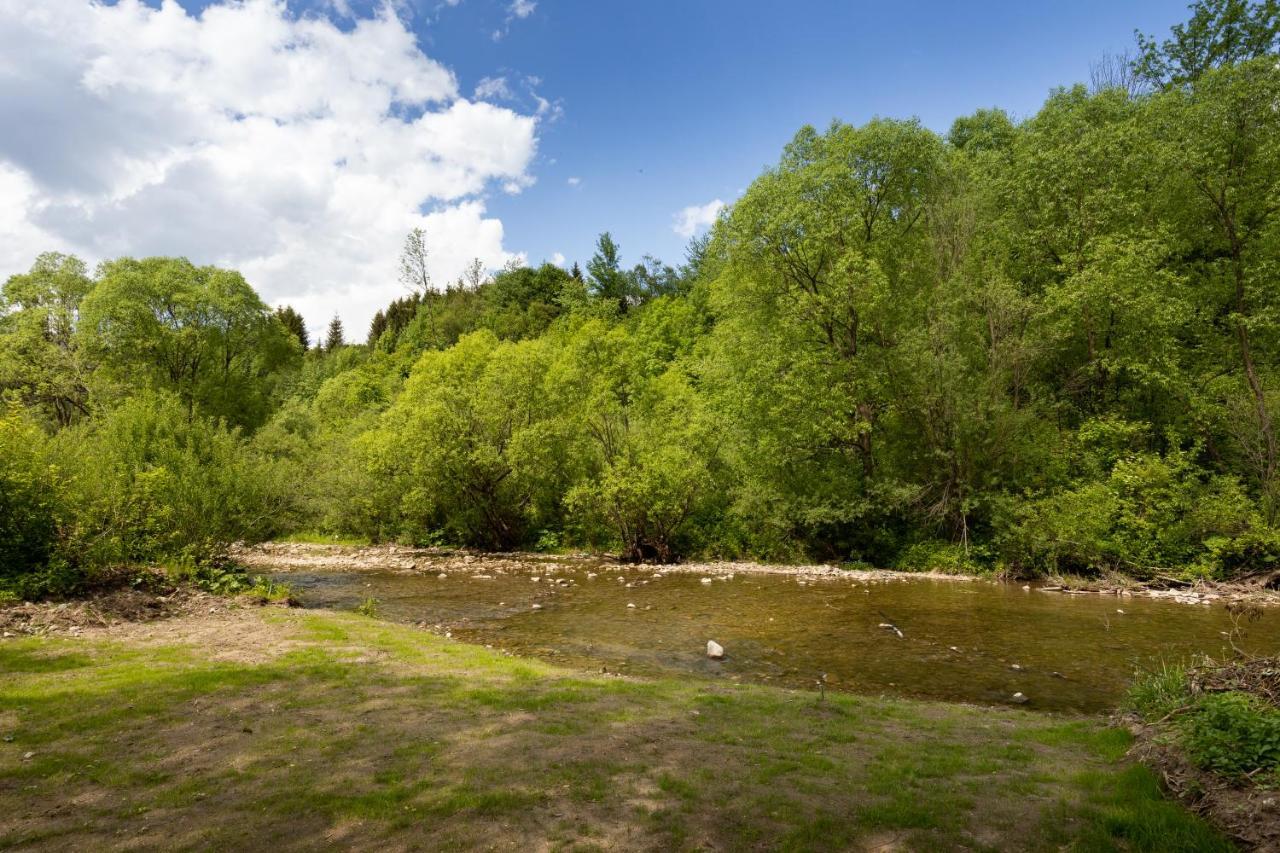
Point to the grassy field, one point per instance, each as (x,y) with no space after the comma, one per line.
(283,729)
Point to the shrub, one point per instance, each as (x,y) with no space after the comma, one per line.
(28,499)
(147,483)
(1235,734)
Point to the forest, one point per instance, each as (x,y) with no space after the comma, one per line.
(1025,347)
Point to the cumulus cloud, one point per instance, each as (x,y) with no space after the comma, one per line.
(557,258)
(296,151)
(696,217)
(575,181)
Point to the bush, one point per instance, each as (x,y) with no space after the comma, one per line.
(1252,551)
(148,484)
(1235,734)
(945,557)
(28,500)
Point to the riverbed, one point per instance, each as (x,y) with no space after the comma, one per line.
(971,640)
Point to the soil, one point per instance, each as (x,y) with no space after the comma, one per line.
(1249,814)
(115,600)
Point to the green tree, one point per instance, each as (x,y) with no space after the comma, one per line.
(1218,34)
(200,332)
(40,354)
(293,321)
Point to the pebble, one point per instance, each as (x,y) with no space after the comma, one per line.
(715,651)
(631,606)
(1020,699)
(442,576)
(27,756)
(707,581)
(1017,667)
(537,607)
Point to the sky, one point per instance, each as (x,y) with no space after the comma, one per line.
(299,141)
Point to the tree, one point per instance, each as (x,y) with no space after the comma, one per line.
(40,354)
(605,277)
(293,321)
(1219,33)
(199,332)
(415,275)
(334,337)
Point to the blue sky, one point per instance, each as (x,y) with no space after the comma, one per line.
(298,141)
(669,104)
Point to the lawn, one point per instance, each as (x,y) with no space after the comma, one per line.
(287,729)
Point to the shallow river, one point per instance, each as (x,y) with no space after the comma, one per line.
(974,641)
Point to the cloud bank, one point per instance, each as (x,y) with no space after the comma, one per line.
(250,137)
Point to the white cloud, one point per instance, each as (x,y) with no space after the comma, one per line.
(281,145)
(518,10)
(557,258)
(575,181)
(493,89)
(696,217)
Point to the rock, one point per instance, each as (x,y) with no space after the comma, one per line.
(1017,667)
(1020,699)
(953,648)
(715,651)
(707,581)
(1026,587)
(631,606)
(442,576)
(1121,612)
(590,575)
(27,756)
(537,607)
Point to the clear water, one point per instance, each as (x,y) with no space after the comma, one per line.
(978,642)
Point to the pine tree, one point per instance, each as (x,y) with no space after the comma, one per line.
(293,321)
(334,338)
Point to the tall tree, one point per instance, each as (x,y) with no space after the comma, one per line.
(605,276)
(293,321)
(415,275)
(201,332)
(1219,33)
(334,337)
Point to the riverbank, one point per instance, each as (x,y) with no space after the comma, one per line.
(271,727)
(309,556)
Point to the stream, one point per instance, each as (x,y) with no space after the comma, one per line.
(970,641)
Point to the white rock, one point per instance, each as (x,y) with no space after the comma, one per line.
(715,651)
(631,606)
(442,576)
(706,581)
(537,607)
(1020,699)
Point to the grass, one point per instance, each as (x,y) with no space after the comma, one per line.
(316,537)
(291,730)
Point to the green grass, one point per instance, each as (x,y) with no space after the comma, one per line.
(298,729)
(316,537)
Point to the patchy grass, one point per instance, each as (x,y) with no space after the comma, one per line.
(315,537)
(289,730)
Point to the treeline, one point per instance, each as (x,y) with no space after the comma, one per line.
(1038,346)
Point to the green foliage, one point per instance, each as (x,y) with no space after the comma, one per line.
(144,483)
(1158,692)
(1235,734)
(29,506)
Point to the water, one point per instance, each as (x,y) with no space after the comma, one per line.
(978,641)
